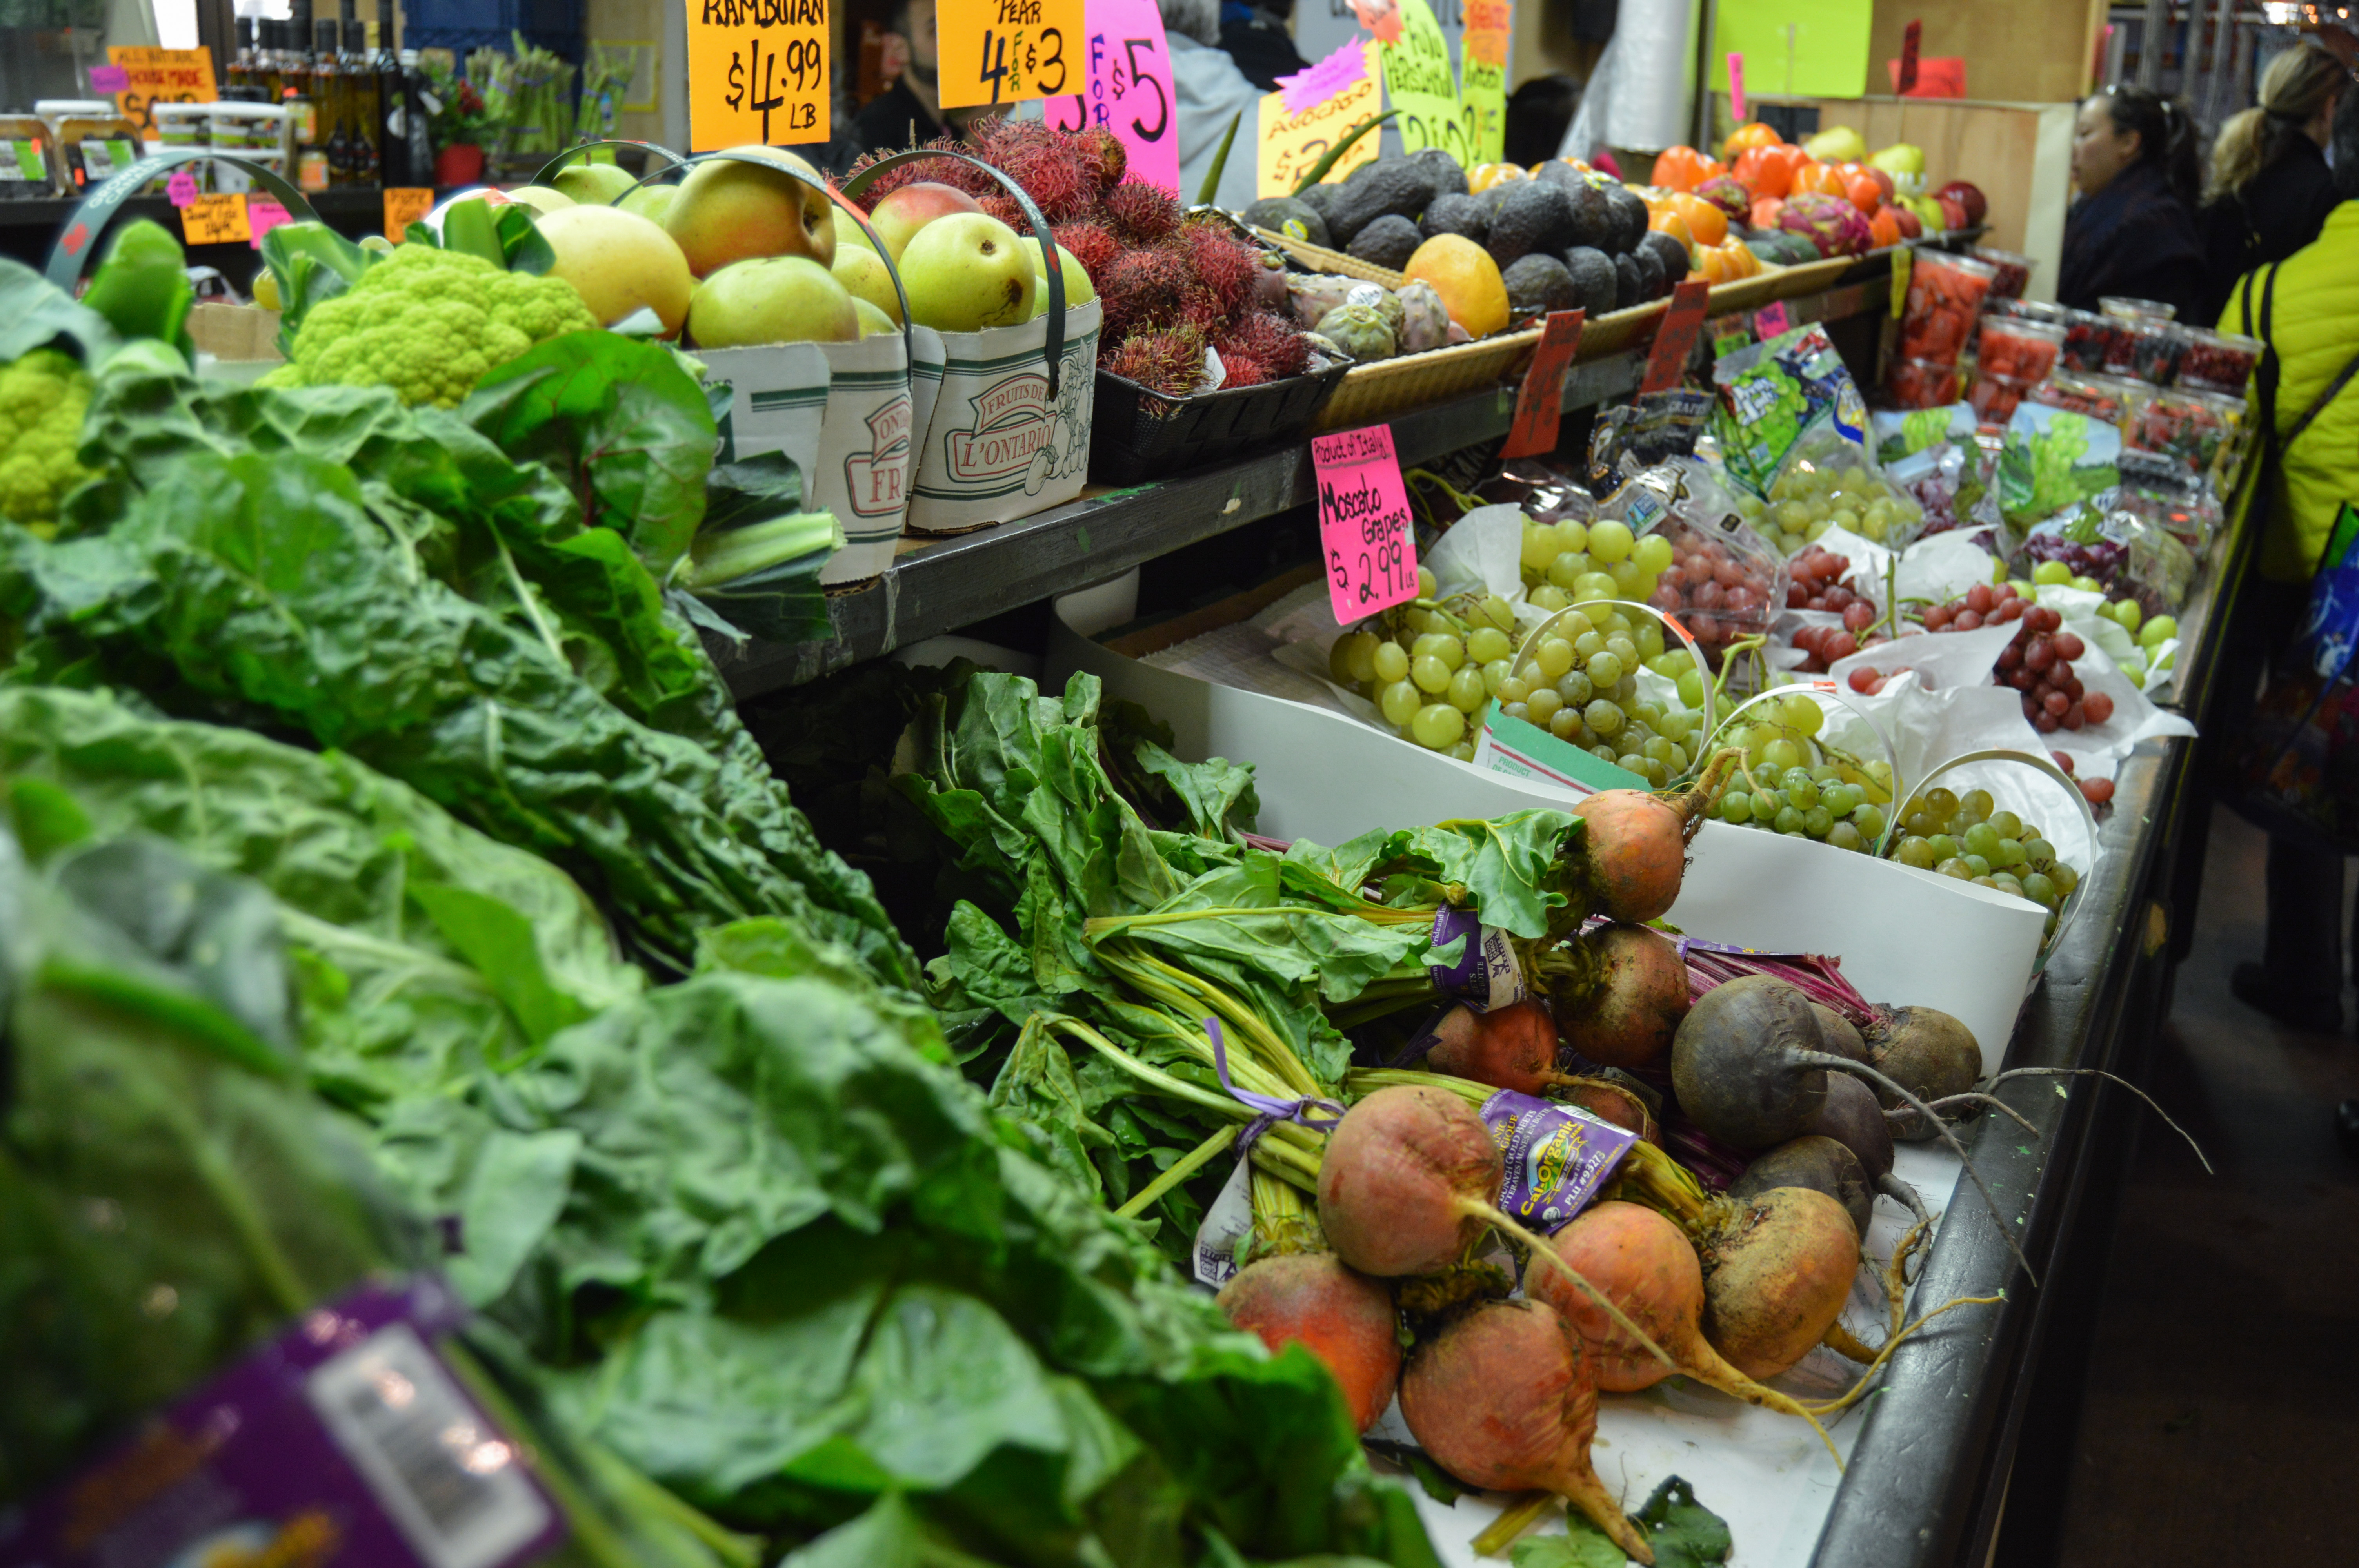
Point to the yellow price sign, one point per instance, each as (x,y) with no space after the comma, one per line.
(216,220)
(757,72)
(1291,142)
(152,76)
(1004,51)
(1420,84)
(1483,88)
(405,205)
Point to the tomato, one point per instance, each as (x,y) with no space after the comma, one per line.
(1679,169)
(1883,228)
(1863,193)
(1707,223)
(1753,134)
(1766,210)
(1768,171)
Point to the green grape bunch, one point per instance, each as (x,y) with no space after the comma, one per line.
(1794,781)
(1966,836)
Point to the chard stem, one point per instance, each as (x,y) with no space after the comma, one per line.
(1178,1171)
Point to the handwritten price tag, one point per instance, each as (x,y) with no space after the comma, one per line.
(1003,51)
(1675,339)
(405,205)
(757,72)
(1128,89)
(1771,321)
(1291,142)
(1483,92)
(1419,82)
(1539,402)
(141,78)
(181,188)
(1364,522)
(214,220)
(262,215)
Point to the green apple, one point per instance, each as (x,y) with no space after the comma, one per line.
(1079,289)
(967,271)
(594,184)
(652,202)
(1837,144)
(1901,157)
(862,274)
(541,198)
(771,299)
(903,213)
(872,320)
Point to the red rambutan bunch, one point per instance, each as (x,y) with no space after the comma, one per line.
(1141,288)
(1001,206)
(1053,167)
(1141,214)
(1091,245)
(1240,369)
(1103,152)
(1272,344)
(1170,360)
(941,170)
(1224,264)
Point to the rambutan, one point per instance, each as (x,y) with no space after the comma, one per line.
(1272,343)
(1141,288)
(1103,151)
(1001,206)
(951,172)
(1201,308)
(1170,361)
(1224,264)
(1091,245)
(1141,214)
(1240,369)
(1051,166)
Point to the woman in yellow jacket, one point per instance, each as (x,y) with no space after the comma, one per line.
(2308,308)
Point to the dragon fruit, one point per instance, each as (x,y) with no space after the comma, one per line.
(1425,323)
(1829,222)
(1723,192)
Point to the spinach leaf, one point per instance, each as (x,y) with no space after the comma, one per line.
(1583,1545)
(1683,1533)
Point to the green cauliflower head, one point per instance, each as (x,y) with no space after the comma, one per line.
(43,398)
(429,323)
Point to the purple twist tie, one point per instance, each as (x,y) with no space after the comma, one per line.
(1270,1108)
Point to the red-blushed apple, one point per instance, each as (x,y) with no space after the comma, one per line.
(905,212)
(729,210)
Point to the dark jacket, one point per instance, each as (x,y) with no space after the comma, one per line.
(2135,237)
(894,119)
(2278,211)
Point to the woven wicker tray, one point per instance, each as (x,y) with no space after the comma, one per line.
(1319,258)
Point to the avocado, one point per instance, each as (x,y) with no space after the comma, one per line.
(1274,212)
(1453,215)
(1388,187)
(1651,276)
(1538,284)
(1556,172)
(1629,218)
(1449,179)
(1389,242)
(1669,252)
(1629,282)
(1594,281)
(1316,197)
(1592,217)
(1531,216)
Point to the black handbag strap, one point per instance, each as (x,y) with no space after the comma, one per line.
(2271,373)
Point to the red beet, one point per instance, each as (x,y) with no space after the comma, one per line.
(1619,992)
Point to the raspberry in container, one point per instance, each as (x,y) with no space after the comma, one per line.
(2020,351)
(1921,384)
(2186,424)
(1995,397)
(2121,308)
(2088,340)
(2014,271)
(2217,361)
(1945,294)
(2171,495)
(2147,350)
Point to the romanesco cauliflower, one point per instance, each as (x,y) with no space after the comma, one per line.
(429,323)
(43,398)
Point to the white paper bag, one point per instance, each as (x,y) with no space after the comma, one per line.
(997,447)
(863,470)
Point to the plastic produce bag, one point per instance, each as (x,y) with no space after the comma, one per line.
(2051,461)
(1773,395)
(2124,554)
(2168,493)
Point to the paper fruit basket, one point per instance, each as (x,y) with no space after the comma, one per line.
(1006,427)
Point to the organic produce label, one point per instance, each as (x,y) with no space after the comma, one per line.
(1364,522)
(346,1440)
(1129,90)
(1292,139)
(145,77)
(1419,82)
(1557,1157)
(1228,1221)
(1003,51)
(214,220)
(405,205)
(1485,975)
(757,72)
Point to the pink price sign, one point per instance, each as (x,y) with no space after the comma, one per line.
(262,215)
(109,78)
(1364,522)
(1736,85)
(1126,89)
(181,188)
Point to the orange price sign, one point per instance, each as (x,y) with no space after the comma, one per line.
(1004,51)
(405,205)
(757,72)
(216,220)
(152,76)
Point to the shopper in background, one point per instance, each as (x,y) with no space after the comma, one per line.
(1539,114)
(2307,309)
(909,111)
(2270,190)
(2133,232)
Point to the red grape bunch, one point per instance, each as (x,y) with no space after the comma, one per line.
(1816,583)
(2038,663)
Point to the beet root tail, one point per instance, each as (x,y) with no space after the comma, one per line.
(1584,1491)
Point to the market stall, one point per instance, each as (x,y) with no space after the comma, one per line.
(844,1169)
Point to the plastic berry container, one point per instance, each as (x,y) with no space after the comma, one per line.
(2186,424)
(2217,361)
(1945,295)
(2014,271)
(2121,308)
(2147,350)
(1921,384)
(2020,351)
(2088,339)
(1995,397)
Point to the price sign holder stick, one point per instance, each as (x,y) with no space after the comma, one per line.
(1675,338)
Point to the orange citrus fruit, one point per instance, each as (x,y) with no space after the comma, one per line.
(1484,176)
(1468,280)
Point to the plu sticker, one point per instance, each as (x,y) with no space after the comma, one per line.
(1557,1157)
(1482,971)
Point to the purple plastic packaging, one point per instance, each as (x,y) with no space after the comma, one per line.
(1557,1157)
(346,1440)
(1485,976)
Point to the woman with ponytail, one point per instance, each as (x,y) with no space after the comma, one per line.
(2133,232)
(2270,190)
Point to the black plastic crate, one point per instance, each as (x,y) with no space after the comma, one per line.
(1138,434)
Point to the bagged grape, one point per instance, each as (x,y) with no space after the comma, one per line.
(1793,432)
(2116,553)
(1725,582)
(2051,461)
(1899,433)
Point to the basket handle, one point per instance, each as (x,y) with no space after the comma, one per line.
(580,152)
(2073,901)
(77,240)
(1830,689)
